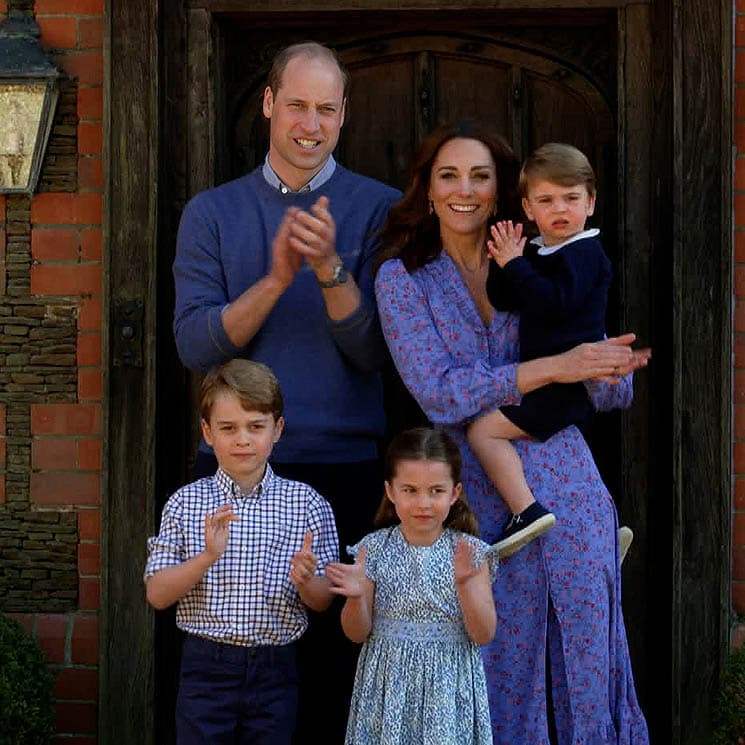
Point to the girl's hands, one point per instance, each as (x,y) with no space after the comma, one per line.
(303,564)
(349,580)
(507,241)
(608,360)
(463,563)
(217,530)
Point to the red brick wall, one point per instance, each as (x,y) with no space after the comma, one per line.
(66,438)
(738,526)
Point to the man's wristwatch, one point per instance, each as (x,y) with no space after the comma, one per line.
(339,277)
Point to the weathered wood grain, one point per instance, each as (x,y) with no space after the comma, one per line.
(127,634)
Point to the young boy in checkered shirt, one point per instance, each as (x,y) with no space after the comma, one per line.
(242,553)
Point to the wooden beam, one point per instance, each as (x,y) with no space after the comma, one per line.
(636,249)
(126,673)
(337,6)
(700,262)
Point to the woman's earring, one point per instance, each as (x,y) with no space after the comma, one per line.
(431,207)
(494,210)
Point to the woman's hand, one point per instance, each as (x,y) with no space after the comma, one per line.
(608,360)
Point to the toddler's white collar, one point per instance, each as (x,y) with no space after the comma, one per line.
(548,250)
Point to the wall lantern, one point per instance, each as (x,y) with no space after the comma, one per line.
(29,88)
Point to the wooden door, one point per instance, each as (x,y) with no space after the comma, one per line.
(612,73)
(536,82)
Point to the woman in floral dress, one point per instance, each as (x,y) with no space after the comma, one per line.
(559,599)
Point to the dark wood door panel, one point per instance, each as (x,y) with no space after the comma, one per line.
(534,80)
(474,87)
(402,87)
(379,135)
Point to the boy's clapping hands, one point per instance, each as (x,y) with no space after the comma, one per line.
(217,530)
(304,562)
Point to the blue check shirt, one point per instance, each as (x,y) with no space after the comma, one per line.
(246,596)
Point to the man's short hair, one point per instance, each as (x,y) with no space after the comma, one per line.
(252,382)
(560,164)
(310,50)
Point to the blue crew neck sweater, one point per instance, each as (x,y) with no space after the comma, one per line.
(328,370)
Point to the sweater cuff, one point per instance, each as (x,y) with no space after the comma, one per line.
(218,337)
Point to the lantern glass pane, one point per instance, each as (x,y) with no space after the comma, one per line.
(21,106)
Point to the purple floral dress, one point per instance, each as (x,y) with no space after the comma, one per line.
(563,591)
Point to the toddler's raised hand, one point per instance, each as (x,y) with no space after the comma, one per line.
(507,241)
(349,580)
(463,564)
(217,530)
(303,563)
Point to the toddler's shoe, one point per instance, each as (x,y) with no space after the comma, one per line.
(523,528)
(625,536)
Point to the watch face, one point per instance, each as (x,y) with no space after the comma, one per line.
(339,277)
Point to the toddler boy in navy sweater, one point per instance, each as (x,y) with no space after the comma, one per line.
(559,285)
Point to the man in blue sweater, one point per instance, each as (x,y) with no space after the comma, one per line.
(276,266)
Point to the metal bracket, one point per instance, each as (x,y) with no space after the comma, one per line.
(127,333)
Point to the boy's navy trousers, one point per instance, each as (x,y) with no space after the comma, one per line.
(237,695)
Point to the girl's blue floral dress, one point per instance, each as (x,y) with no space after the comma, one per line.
(420,679)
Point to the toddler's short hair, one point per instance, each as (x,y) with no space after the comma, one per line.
(558,163)
(254,383)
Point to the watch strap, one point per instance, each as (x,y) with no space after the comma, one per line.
(339,277)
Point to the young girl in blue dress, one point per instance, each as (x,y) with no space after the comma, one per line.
(419,596)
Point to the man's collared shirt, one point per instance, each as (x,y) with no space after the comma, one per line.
(246,596)
(317,181)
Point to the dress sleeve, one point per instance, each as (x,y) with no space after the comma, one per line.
(484,552)
(451,387)
(608,396)
(372,542)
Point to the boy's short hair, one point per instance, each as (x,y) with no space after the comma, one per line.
(254,383)
(558,163)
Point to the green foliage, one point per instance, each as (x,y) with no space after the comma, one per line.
(26,712)
(729,711)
